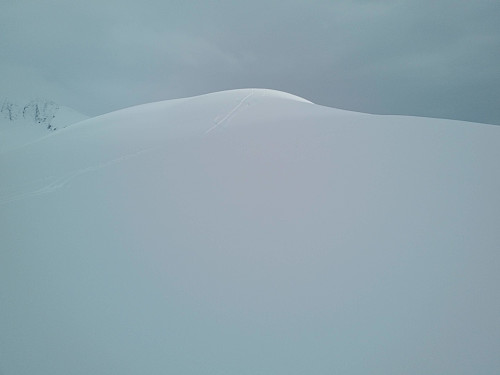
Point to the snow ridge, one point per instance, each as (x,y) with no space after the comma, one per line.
(291,232)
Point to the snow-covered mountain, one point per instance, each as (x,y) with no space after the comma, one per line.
(251,232)
(24,121)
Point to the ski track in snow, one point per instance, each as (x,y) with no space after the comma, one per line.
(230,113)
(58,183)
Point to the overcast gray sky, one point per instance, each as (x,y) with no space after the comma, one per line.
(436,58)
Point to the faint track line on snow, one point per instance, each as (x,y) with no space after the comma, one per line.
(58,183)
(230,113)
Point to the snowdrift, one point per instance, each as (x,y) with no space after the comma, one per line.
(251,232)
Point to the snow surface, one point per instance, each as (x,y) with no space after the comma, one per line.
(251,232)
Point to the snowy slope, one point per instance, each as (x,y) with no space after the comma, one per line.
(24,121)
(251,232)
